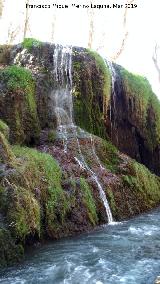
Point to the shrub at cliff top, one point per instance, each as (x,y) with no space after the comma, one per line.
(28,43)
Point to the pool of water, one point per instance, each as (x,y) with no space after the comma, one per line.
(127,252)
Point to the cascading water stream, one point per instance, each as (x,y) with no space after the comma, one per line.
(63,97)
(113,98)
(63,106)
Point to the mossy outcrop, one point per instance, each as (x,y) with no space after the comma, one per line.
(10,252)
(48,195)
(92,88)
(129,113)
(17,94)
(135,119)
(4,129)
(45,193)
(6,155)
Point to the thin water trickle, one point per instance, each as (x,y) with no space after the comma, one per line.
(113,99)
(63,109)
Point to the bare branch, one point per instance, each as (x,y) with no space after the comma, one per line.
(53,27)
(12,33)
(1,7)
(91,25)
(126,33)
(26,23)
(155,59)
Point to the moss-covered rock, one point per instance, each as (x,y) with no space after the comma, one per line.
(129,115)
(6,154)
(4,129)
(9,251)
(92,88)
(23,212)
(17,93)
(130,188)
(89,201)
(141,101)
(54,194)
(136,119)
(41,199)
(45,184)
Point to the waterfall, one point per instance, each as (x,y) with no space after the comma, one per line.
(113,99)
(62,97)
(63,109)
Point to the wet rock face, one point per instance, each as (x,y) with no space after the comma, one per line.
(129,115)
(91,93)
(24,124)
(132,127)
(17,104)
(39,60)
(52,191)
(128,119)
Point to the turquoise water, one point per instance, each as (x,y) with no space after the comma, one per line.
(127,252)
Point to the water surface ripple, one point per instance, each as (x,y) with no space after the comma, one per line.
(127,252)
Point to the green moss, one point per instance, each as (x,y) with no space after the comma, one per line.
(18,78)
(88,201)
(129,180)
(108,154)
(44,166)
(6,154)
(143,183)
(28,43)
(32,200)
(144,106)
(18,128)
(137,85)
(155,120)
(23,213)
(19,81)
(10,253)
(100,63)
(92,87)
(3,199)
(4,129)
(51,136)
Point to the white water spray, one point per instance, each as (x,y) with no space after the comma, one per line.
(63,107)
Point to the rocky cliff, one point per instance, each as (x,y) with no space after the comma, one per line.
(127,110)
(45,193)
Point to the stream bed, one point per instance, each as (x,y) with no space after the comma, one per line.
(126,252)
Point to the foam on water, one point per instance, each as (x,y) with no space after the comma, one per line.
(97,257)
